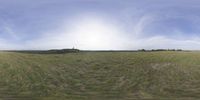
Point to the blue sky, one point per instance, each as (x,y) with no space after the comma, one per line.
(100,24)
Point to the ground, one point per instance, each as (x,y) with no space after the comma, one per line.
(100,76)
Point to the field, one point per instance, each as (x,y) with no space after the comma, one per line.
(162,75)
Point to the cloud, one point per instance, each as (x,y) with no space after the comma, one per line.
(112,39)
(101,24)
(6,45)
(161,42)
(11,33)
(89,32)
(143,22)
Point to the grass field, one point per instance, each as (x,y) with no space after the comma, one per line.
(100,76)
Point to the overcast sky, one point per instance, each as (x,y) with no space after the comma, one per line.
(100,24)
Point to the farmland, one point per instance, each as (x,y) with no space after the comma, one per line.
(100,76)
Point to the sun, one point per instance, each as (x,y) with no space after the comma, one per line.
(92,33)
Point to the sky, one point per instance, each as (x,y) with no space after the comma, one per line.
(99,24)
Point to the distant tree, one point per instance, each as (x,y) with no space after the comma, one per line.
(179,50)
(142,50)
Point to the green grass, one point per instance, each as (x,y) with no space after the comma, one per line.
(100,76)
